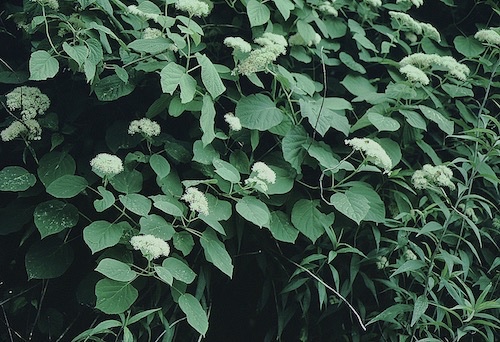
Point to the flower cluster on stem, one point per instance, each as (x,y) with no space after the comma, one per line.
(196,199)
(373,151)
(150,246)
(432,176)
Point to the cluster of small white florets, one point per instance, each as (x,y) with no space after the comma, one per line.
(414,74)
(425,62)
(30,101)
(407,22)
(262,175)
(106,165)
(297,39)
(150,246)
(373,151)
(417,3)
(133,9)
(152,33)
(145,126)
(382,262)
(430,176)
(238,44)
(374,3)
(469,212)
(196,199)
(54,4)
(326,7)
(409,255)
(488,36)
(233,122)
(195,8)
(272,45)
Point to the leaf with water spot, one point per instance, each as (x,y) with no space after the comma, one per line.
(54,216)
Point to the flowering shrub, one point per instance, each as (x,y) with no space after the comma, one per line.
(261,170)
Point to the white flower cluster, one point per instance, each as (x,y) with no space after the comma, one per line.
(30,129)
(297,39)
(469,212)
(409,255)
(152,33)
(195,8)
(406,21)
(150,246)
(29,100)
(105,164)
(374,3)
(425,62)
(238,44)
(417,3)
(272,45)
(488,36)
(233,122)
(382,262)
(133,9)
(54,4)
(414,74)
(144,126)
(372,149)
(430,176)
(196,199)
(261,176)
(326,7)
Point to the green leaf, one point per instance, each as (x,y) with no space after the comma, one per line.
(383,123)
(159,165)
(443,123)
(169,206)
(127,181)
(324,155)
(42,66)
(284,7)
(164,274)
(363,89)
(209,76)
(253,210)
(281,228)
(183,241)
(207,120)
(136,203)
(54,216)
(179,270)
(99,328)
(258,111)
(292,146)
(196,316)
(48,258)
(226,171)
(114,297)
(157,226)
(188,88)
(16,178)
(78,53)
(108,199)
(170,77)
(111,88)
(116,270)
(351,63)
(468,46)
(67,186)
(204,154)
(54,165)
(457,91)
(215,252)
(414,119)
(390,314)
(102,234)
(309,220)
(376,213)
(409,266)
(351,204)
(284,181)
(419,309)
(322,118)
(152,46)
(258,13)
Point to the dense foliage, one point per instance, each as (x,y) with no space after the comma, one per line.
(250,170)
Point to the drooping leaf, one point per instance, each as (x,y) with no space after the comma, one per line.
(116,270)
(253,210)
(215,252)
(258,111)
(114,297)
(54,216)
(258,13)
(292,146)
(421,304)
(54,165)
(196,316)
(152,46)
(42,66)
(322,118)
(102,234)
(226,171)
(78,53)
(207,120)
(209,76)
(136,203)
(127,182)
(351,204)
(468,46)
(170,77)
(48,258)
(443,123)
(67,186)
(383,123)
(111,88)
(157,226)
(16,178)
(179,270)
(307,218)
(281,228)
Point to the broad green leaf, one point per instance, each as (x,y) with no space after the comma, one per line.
(157,226)
(111,88)
(414,119)
(351,204)
(324,155)
(419,309)
(383,123)
(108,199)
(215,252)
(170,206)
(307,218)
(54,165)
(409,266)
(48,258)
(16,178)
(67,186)
(457,91)
(258,13)
(443,123)
(284,181)
(363,89)
(306,31)
(136,203)
(170,77)
(152,46)
(364,42)
(188,88)
(284,7)
(226,171)
(322,118)
(183,241)
(351,63)
(390,314)
(207,120)
(376,213)
(114,297)
(159,165)
(258,111)
(468,46)
(54,216)
(209,76)
(179,270)
(127,181)
(102,234)
(78,53)
(164,274)
(292,146)
(281,228)
(116,270)
(196,316)
(253,210)
(204,154)
(42,66)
